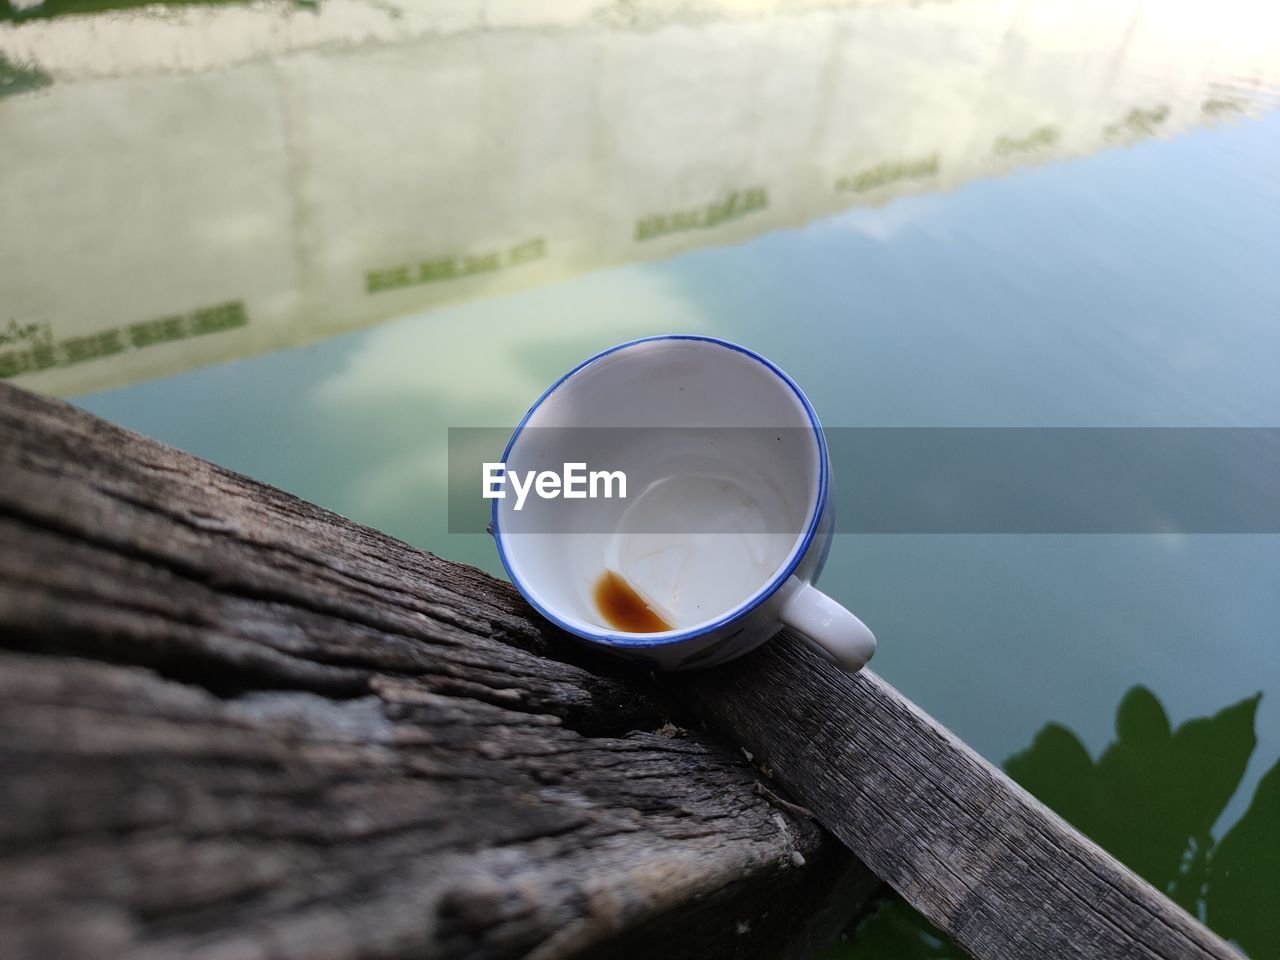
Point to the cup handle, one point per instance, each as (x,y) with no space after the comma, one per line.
(828,628)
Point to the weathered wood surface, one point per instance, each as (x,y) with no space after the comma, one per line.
(982,859)
(234,726)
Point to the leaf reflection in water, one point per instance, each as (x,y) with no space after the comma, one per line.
(1151,800)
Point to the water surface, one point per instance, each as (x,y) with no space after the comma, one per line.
(303,243)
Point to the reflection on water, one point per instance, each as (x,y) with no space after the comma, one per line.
(1151,799)
(1154,795)
(972,213)
(18,78)
(207,182)
(20,10)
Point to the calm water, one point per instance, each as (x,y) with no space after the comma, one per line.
(303,242)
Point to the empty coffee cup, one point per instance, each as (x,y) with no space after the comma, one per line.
(715,521)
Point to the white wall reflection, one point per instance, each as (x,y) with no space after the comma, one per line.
(203,183)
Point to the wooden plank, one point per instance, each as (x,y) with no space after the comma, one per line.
(972,851)
(235,726)
(250,652)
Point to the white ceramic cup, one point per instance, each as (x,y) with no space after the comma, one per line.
(727,521)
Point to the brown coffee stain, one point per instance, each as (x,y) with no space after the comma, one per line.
(623,608)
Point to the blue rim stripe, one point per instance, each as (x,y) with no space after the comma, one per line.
(768,590)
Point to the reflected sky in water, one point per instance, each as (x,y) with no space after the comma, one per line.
(952,246)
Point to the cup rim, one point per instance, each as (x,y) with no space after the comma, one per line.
(744,609)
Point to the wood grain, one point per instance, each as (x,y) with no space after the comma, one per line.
(234,726)
(977,855)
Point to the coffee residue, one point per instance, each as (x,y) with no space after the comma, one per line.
(625,609)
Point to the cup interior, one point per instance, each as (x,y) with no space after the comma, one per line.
(724,467)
